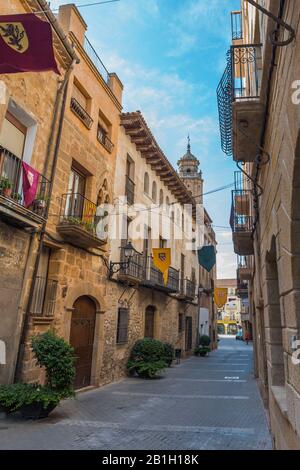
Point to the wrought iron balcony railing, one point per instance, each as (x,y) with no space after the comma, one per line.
(154,278)
(11,186)
(89,49)
(129,190)
(241,81)
(81,113)
(187,289)
(242,216)
(135,268)
(104,140)
(77,210)
(44,297)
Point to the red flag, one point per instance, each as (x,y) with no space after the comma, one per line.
(25,44)
(30,183)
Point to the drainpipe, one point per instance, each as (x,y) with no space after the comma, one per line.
(63,89)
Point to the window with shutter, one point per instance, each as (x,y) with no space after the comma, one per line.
(122,327)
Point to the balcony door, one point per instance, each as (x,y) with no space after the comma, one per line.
(149,322)
(75,197)
(12,141)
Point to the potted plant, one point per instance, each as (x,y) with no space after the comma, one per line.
(204,345)
(169,353)
(147,358)
(6,187)
(36,401)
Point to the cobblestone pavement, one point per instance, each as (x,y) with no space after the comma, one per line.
(203,403)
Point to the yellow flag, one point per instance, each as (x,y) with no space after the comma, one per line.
(162,261)
(220,296)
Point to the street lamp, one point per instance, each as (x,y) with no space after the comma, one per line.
(129,251)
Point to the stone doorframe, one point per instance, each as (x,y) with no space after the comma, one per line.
(91,291)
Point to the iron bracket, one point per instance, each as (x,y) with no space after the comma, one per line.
(279,22)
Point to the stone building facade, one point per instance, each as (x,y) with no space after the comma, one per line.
(260,124)
(140,305)
(73,257)
(30,108)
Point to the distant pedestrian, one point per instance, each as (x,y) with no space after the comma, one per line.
(247,337)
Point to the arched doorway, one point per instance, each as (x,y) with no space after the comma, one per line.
(149,322)
(82,339)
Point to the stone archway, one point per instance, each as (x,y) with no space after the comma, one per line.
(82,336)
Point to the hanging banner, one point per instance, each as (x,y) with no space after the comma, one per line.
(162,261)
(220,296)
(26,44)
(207,257)
(30,183)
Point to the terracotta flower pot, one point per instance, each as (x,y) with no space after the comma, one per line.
(7,192)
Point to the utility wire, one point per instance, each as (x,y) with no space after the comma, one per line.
(79,6)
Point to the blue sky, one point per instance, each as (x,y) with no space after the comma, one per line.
(170,55)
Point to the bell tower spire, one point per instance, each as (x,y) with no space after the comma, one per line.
(190,174)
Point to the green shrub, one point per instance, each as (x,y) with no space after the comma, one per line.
(169,353)
(204,340)
(14,396)
(147,358)
(57,356)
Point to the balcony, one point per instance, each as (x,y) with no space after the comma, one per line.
(240,111)
(134,272)
(245,270)
(78,221)
(242,290)
(12,204)
(187,290)
(242,223)
(154,278)
(81,113)
(104,140)
(129,190)
(44,298)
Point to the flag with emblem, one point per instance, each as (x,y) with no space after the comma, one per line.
(162,261)
(26,44)
(220,296)
(207,257)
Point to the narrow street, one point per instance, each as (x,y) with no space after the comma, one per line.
(208,403)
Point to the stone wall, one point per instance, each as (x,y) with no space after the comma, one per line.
(277,254)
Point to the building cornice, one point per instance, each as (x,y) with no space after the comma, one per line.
(137,129)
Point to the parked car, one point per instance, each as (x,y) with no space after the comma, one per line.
(239,336)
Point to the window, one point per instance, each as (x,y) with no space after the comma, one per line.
(129,185)
(44,294)
(75,197)
(13,135)
(154,191)
(122,327)
(80,96)
(80,105)
(146,183)
(180,323)
(161,197)
(162,242)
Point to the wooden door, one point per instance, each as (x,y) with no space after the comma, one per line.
(149,322)
(188,333)
(82,339)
